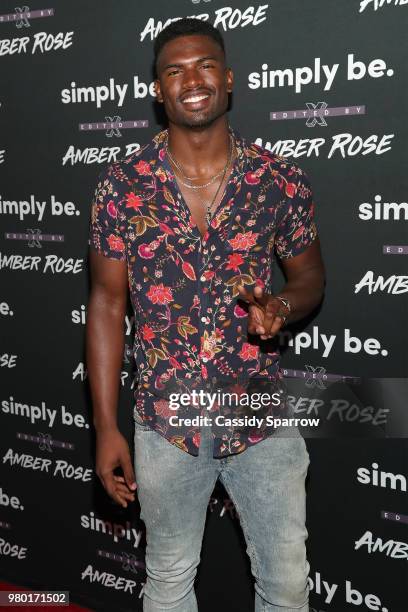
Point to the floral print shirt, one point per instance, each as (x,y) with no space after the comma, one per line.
(190,326)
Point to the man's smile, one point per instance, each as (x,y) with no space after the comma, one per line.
(195,98)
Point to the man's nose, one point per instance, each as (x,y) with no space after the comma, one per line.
(192,78)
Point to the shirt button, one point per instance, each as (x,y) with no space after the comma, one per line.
(203,319)
(202,278)
(205,359)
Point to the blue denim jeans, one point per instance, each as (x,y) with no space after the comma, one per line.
(266,483)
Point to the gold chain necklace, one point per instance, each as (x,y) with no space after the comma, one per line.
(213,178)
(208,215)
(188,178)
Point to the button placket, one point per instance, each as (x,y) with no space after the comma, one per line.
(204,295)
(200,292)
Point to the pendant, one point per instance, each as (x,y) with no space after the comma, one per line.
(208,215)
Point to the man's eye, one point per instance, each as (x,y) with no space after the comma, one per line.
(173,72)
(207,66)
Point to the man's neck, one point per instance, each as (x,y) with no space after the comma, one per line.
(200,152)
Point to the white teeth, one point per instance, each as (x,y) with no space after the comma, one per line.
(195,98)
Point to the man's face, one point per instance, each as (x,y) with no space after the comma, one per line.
(192,81)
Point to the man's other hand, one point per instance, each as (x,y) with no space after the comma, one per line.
(263,319)
(112,451)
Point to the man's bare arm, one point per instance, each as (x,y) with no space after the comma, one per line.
(305,281)
(104,356)
(105,335)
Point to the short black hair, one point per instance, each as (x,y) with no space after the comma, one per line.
(187,26)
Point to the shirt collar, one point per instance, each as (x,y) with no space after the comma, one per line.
(160,143)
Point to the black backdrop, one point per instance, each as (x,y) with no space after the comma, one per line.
(63,69)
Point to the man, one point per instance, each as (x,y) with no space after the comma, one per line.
(189,223)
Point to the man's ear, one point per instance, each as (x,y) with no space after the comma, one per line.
(157,89)
(230,80)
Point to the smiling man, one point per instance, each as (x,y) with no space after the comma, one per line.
(190,224)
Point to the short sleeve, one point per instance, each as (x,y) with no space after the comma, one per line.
(296,224)
(104,226)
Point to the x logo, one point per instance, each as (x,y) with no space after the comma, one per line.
(34,240)
(320,120)
(317,381)
(45,442)
(130,563)
(113,131)
(23,21)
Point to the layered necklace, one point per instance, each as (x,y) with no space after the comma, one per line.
(196,188)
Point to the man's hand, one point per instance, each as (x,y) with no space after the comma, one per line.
(112,451)
(263,319)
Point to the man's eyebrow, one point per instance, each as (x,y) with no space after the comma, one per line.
(201,59)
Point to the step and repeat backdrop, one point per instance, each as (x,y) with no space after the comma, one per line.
(321,82)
